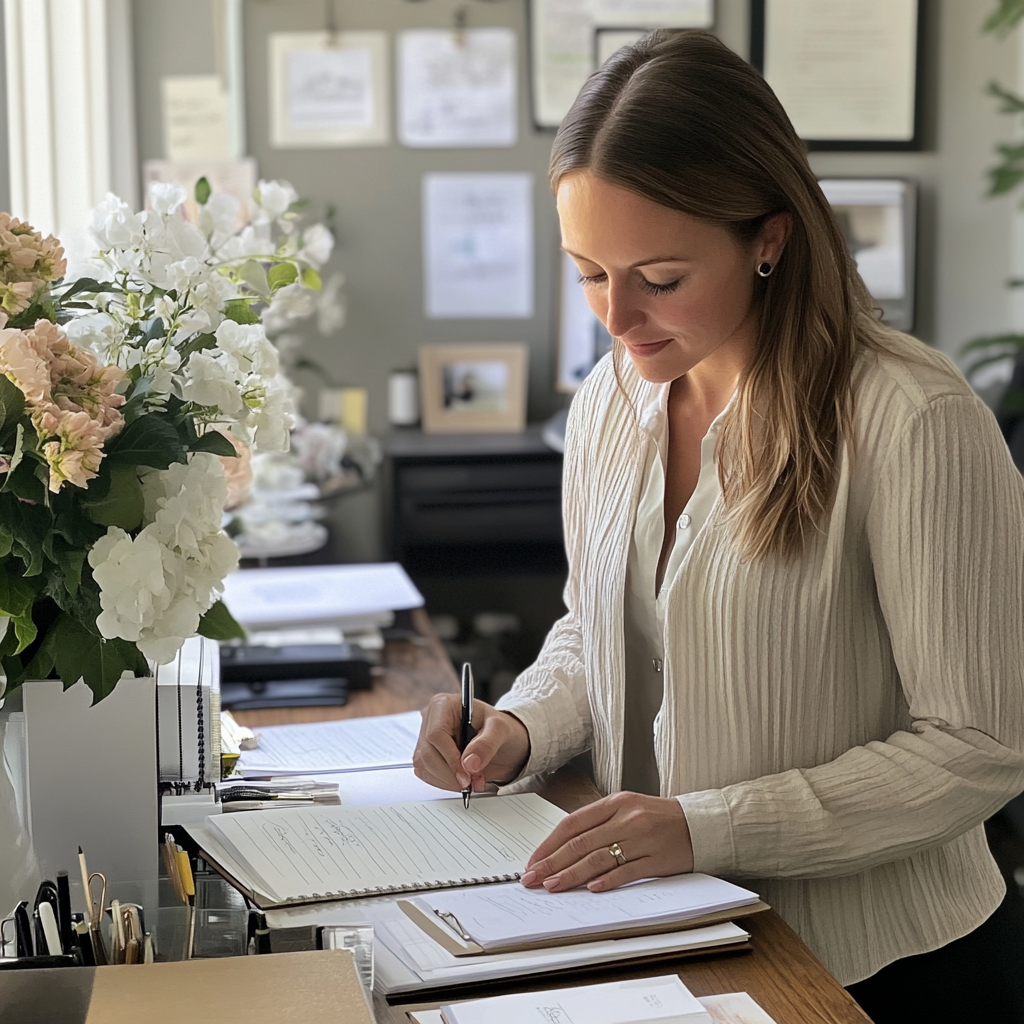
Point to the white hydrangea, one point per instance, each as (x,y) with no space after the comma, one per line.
(293,302)
(317,243)
(271,201)
(154,588)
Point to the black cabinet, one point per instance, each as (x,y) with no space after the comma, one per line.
(482,501)
(476,520)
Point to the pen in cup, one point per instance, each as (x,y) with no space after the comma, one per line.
(466,731)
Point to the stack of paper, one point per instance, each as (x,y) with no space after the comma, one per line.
(408,960)
(500,916)
(350,596)
(664,1000)
(313,748)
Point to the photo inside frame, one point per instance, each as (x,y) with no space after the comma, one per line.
(475,387)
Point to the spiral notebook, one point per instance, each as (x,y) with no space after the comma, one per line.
(319,853)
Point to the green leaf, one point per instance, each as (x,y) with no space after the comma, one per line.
(12,402)
(25,630)
(90,286)
(99,663)
(241,312)
(155,329)
(148,441)
(122,505)
(282,274)
(1005,17)
(16,595)
(311,279)
(254,275)
(1012,103)
(219,624)
(19,450)
(202,191)
(1004,179)
(198,343)
(216,443)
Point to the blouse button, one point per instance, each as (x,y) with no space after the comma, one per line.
(684,522)
(656,662)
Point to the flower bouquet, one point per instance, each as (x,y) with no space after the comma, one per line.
(122,395)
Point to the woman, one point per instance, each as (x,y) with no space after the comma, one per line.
(795,540)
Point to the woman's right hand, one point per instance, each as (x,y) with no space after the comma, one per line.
(497,753)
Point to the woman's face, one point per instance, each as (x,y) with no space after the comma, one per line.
(674,289)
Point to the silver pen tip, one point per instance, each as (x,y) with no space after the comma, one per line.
(465,798)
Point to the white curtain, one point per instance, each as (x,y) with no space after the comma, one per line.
(70,106)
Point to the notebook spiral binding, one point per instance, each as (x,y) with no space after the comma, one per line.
(388,890)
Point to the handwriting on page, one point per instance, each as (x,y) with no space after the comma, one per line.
(317,851)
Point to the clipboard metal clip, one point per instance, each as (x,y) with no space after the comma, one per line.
(453,922)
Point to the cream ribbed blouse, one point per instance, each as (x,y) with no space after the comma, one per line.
(836,726)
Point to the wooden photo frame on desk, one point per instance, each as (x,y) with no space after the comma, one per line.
(474,388)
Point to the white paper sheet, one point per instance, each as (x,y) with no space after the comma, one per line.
(342,594)
(356,744)
(408,961)
(457,89)
(841,70)
(731,1008)
(315,852)
(478,245)
(661,1000)
(195,114)
(328,90)
(582,339)
(385,786)
(497,915)
(564,49)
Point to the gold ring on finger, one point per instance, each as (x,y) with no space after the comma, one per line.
(616,851)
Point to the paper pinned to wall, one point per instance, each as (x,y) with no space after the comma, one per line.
(478,245)
(582,339)
(457,89)
(328,89)
(195,113)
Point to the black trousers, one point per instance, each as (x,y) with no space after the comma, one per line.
(977,978)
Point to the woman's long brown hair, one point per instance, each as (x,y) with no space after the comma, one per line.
(681,120)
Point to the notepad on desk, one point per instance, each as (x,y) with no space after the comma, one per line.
(469,922)
(309,855)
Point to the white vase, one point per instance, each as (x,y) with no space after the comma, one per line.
(19,871)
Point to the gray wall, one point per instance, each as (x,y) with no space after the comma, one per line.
(965,241)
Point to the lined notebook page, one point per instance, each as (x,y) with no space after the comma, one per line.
(305,854)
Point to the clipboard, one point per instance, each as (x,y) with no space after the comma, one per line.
(451,943)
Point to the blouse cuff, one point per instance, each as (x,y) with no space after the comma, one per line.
(707,816)
(532,715)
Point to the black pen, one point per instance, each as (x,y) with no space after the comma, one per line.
(466,731)
(23,930)
(64,911)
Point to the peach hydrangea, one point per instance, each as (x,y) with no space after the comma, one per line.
(28,262)
(70,397)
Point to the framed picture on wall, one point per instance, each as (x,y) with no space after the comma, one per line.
(469,388)
(878,219)
(848,74)
(565,48)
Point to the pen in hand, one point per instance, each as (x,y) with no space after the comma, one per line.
(466,731)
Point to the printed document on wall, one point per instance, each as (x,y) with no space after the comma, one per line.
(457,89)
(328,90)
(478,245)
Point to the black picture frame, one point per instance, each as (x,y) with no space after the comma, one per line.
(758,30)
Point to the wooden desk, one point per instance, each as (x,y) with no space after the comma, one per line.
(779,971)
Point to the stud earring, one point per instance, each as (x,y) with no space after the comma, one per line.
(764,269)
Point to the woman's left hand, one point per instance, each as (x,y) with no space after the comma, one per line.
(651,832)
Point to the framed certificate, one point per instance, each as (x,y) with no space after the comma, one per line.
(848,74)
(569,38)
